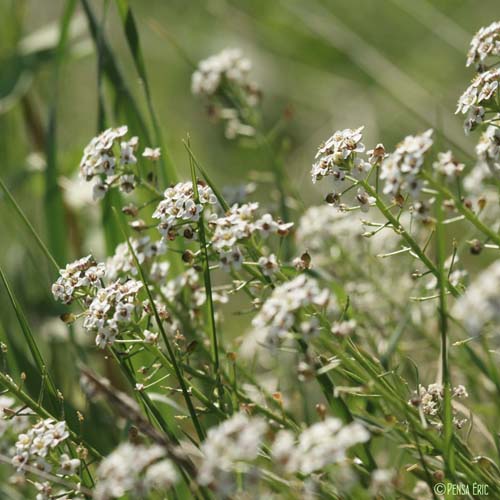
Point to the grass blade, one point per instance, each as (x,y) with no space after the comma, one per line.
(30,341)
(168,172)
(54,208)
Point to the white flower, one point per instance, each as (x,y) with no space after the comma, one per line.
(150,337)
(127,183)
(68,465)
(99,190)
(152,153)
(448,165)
(127,150)
(365,200)
(269,265)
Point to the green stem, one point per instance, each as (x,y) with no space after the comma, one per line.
(466,212)
(405,235)
(173,360)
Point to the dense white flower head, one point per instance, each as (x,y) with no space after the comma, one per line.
(128,470)
(480,90)
(333,154)
(447,165)
(281,311)
(230,446)
(35,444)
(430,399)
(322,444)
(400,170)
(238,224)
(111,310)
(180,207)
(110,159)
(486,42)
(227,71)
(480,304)
(82,273)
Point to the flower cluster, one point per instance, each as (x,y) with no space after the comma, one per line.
(111,310)
(336,156)
(430,399)
(239,224)
(318,446)
(230,447)
(78,275)
(179,209)
(480,304)
(400,170)
(479,91)
(226,76)
(284,310)
(136,470)
(486,42)
(110,159)
(36,444)
(146,250)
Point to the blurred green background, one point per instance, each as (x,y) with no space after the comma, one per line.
(395,66)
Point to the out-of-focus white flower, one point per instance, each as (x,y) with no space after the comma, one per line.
(152,153)
(279,313)
(231,446)
(400,169)
(227,65)
(480,304)
(126,470)
(447,165)
(322,444)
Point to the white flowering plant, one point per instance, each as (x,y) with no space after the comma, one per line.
(363,359)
